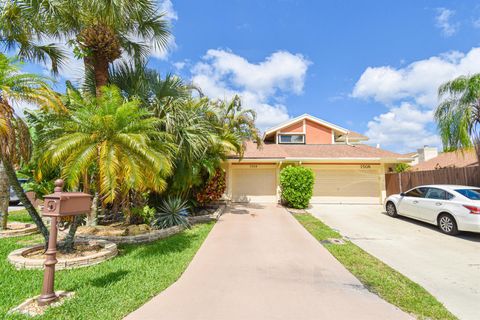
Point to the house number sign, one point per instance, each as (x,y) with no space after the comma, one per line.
(365,166)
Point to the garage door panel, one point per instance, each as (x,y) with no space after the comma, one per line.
(254,185)
(346,185)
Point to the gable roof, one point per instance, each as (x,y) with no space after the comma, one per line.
(317,152)
(308,117)
(454,159)
(352,136)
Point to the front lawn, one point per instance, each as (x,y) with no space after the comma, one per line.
(378,277)
(110,290)
(20,215)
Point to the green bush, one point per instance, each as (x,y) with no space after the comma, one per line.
(296,186)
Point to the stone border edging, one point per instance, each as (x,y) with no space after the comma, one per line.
(155,234)
(20,262)
(29,229)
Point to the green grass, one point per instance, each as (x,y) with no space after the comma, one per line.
(109,290)
(378,277)
(20,215)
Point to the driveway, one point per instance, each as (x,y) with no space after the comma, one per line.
(448,267)
(259,263)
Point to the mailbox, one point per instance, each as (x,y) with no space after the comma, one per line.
(59,206)
(65,204)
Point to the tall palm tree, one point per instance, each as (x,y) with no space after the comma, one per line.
(15,143)
(458,113)
(100,30)
(113,138)
(20,32)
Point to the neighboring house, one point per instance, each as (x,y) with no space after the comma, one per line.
(346,171)
(424,154)
(456,159)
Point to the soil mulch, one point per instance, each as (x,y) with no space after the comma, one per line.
(81,250)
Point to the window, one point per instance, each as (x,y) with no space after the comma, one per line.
(291,138)
(416,193)
(439,194)
(472,194)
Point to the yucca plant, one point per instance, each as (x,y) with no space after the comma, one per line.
(172,212)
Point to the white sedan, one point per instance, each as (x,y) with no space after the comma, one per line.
(452,208)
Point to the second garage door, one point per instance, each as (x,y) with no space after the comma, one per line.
(254,183)
(346,184)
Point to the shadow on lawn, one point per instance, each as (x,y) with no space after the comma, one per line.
(109,278)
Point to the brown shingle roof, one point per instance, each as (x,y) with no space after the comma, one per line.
(317,151)
(449,159)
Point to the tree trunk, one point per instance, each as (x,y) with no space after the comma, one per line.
(4,197)
(69,242)
(92,216)
(12,178)
(99,66)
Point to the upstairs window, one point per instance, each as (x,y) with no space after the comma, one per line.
(291,138)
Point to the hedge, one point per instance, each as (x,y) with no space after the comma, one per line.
(296,185)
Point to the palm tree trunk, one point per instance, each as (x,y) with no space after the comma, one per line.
(99,66)
(4,197)
(12,178)
(69,242)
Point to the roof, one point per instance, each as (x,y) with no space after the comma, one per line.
(456,159)
(316,152)
(352,136)
(302,117)
(411,154)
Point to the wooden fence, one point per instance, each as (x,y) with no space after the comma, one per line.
(400,182)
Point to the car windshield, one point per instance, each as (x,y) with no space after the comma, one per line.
(472,194)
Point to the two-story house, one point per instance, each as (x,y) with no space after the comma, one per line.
(346,171)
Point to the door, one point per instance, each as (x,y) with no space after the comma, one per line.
(254,183)
(409,205)
(435,199)
(346,184)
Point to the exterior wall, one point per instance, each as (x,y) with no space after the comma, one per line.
(296,127)
(318,134)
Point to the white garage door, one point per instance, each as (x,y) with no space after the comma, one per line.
(254,183)
(347,184)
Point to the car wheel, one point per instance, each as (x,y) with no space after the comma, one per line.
(447,224)
(392,210)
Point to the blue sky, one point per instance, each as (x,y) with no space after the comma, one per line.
(370,66)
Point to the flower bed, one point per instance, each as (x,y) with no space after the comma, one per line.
(29,258)
(153,234)
(18,229)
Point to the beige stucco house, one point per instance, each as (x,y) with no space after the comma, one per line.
(346,170)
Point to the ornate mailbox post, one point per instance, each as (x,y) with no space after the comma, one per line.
(58,205)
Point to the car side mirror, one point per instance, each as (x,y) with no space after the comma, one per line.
(402,194)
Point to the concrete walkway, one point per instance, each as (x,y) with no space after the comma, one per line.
(259,263)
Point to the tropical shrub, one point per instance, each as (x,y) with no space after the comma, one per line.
(213,189)
(172,212)
(402,167)
(296,186)
(142,215)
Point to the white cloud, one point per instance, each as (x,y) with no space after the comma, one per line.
(262,86)
(444,23)
(402,127)
(416,83)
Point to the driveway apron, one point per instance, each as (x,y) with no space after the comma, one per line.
(259,263)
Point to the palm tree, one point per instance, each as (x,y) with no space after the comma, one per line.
(112,138)
(15,143)
(100,31)
(18,31)
(458,113)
